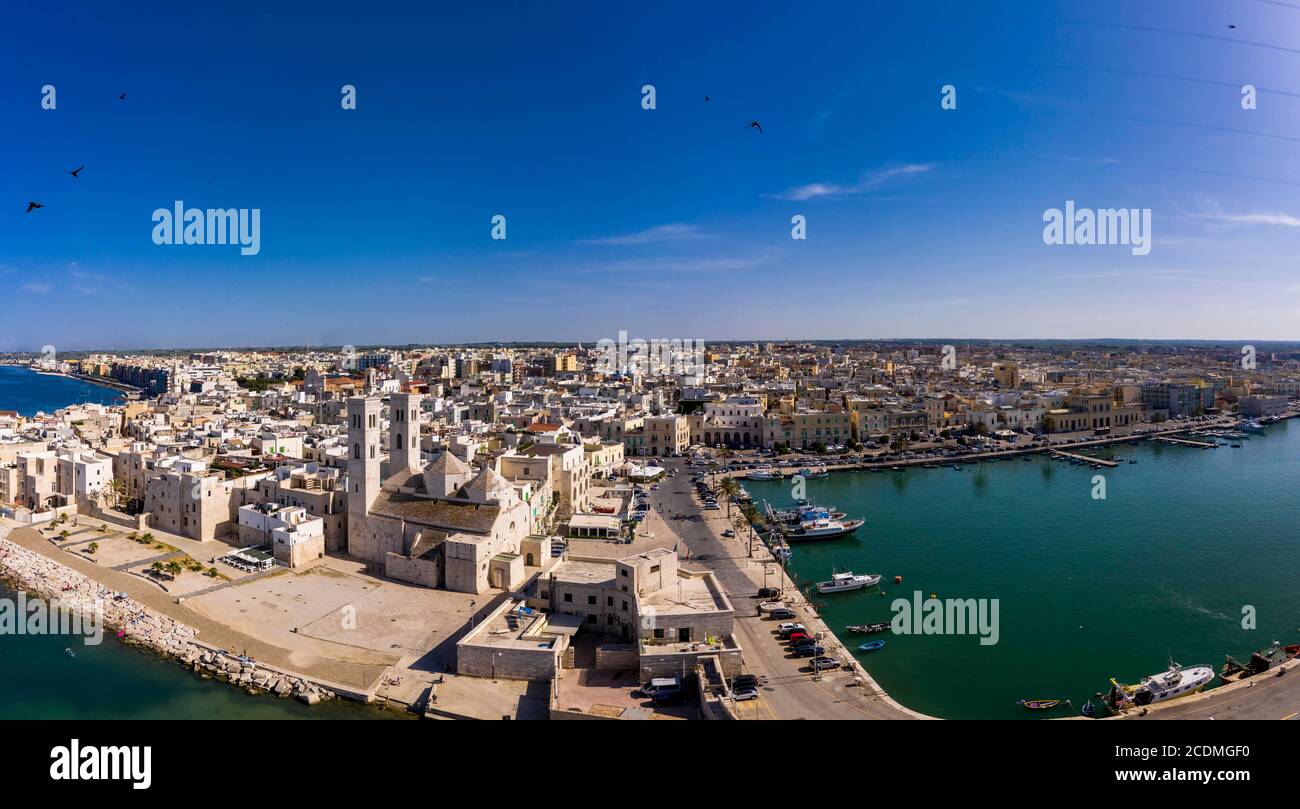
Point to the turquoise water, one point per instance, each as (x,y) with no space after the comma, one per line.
(39,680)
(27,392)
(1087,589)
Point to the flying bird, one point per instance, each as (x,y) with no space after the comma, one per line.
(76,171)
(122,97)
(756,125)
(1230,25)
(706,98)
(31,206)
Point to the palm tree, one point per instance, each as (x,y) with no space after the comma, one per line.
(730,488)
(750,517)
(173,567)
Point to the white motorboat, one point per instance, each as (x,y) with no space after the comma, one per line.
(823,528)
(843,582)
(1178,681)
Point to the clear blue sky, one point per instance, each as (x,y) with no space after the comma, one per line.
(666,223)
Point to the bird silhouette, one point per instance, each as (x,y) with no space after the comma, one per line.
(32,206)
(122,97)
(1231,26)
(706,98)
(76,171)
(756,125)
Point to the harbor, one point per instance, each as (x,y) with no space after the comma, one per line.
(1079,605)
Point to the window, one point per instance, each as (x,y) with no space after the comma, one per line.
(591,600)
(568,597)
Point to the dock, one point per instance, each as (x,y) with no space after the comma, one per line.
(1186,442)
(1086,459)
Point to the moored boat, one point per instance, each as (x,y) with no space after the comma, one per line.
(868,628)
(872,646)
(824,528)
(1178,681)
(1041,704)
(1270,657)
(843,582)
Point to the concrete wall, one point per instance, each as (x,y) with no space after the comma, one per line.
(510,663)
(617,657)
(673,664)
(421,571)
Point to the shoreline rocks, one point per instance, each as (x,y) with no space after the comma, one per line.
(137,625)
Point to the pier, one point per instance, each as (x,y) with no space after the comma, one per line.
(1086,459)
(1186,442)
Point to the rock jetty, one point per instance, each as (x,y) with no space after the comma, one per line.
(135,624)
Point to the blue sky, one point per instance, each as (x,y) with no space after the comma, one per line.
(672,222)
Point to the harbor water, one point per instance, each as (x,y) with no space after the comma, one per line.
(1186,546)
(28,392)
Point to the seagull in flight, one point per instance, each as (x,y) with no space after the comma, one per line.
(31,206)
(76,171)
(1230,25)
(756,125)
(706,98)
(122,97)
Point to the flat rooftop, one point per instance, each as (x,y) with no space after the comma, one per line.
(688,594)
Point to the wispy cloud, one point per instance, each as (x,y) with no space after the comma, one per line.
(681,264)
(38,288)
(1284,219)
(673,232)
(871,181)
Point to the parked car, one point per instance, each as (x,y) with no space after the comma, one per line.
(810,650)
(660,684)
(768,592)
(824,663)
(785,629)
(782,614)
(798,635)
(741,693)
(728,533)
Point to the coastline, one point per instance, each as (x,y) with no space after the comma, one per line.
(137,625)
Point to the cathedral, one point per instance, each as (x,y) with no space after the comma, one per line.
(445,525)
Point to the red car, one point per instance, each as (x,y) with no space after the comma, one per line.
(795,636)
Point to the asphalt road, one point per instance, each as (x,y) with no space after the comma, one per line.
(789,689)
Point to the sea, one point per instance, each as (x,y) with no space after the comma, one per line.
(59,677)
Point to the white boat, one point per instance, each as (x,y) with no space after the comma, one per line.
(843,582)
(824,528)
(1251,426)
(814,472)
(1178,681)
(764,474)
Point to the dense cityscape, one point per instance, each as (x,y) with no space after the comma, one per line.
(511,502)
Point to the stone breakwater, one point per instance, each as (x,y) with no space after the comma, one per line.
(135,624)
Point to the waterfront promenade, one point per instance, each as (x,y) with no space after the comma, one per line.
(321,661)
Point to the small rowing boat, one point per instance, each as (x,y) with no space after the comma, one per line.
(872,646)
(863,628)
(1041,704)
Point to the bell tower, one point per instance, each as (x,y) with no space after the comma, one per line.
(363,471)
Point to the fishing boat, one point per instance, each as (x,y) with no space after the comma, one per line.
(1251,426)
(1270,657)
(813,472)
(844,582)
(872,646)
(1041,704)
(764,474)
(823,528)
(1178,681)
(868,628)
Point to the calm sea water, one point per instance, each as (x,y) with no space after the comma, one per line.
(40,680)
(1088,589)
(27,392)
